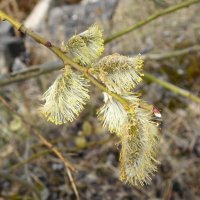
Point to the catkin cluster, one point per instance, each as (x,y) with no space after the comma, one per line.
(67,96)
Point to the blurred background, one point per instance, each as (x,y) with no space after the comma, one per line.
(29,170)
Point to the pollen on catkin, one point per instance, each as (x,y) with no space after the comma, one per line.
(139,149)
(113,115)
(65,98)
(76,48)
(138,135)
(93,39)
(86,47)
(120,73)
(133,124)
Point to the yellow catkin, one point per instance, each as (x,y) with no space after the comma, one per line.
(120,73)
(139,149)
(65,98)
(86,47)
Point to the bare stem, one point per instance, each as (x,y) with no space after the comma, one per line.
(151,18)
(172,87)
(171,54)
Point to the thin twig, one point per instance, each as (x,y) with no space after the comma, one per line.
(73,183)
(44,152)
(172,87)
(171,54)
(151,18)
(53,66)
(67,164)
(50,146)
(42,69)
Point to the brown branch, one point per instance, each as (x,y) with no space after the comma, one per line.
(72,150)
(42,69)
(38,70)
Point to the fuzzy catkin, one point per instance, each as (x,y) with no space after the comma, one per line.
(86,47)
(139,149)
(65,98)
(120,73)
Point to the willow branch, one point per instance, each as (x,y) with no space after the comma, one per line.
(172,87)
(66,60)
(151,18)
(53,66)
(46,68)
(42,69)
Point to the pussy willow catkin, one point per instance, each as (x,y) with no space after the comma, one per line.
(68,95)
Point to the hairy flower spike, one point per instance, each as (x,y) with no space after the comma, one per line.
(120,73)
(85,48)
(138,137)
(139,148)
(65,99)
(77,50)
(114,116)
(93,39)
(138,134)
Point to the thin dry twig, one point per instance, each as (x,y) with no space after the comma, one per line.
(72,150)
(67,164)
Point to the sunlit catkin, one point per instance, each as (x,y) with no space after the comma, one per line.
(85,48)
(120,73)
(129,118)
(139,149)
(93,39)
(65,98)
(114,116)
